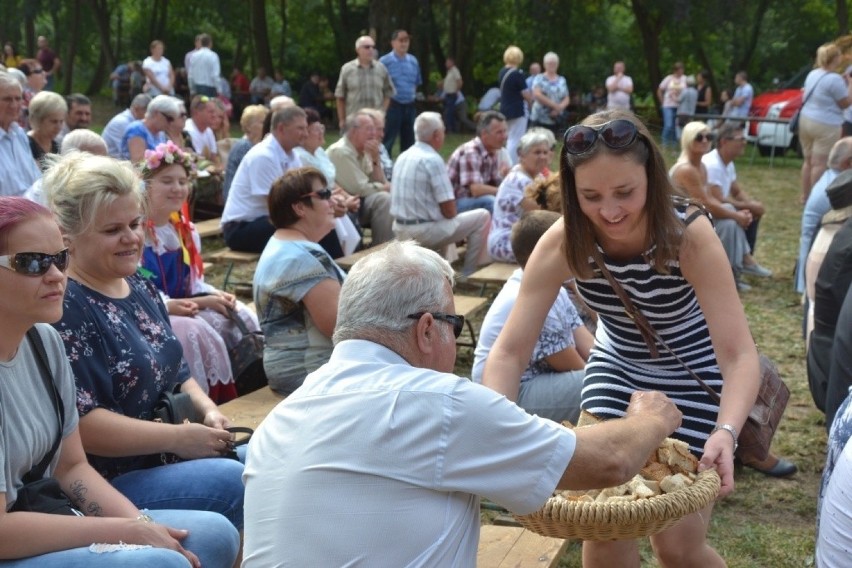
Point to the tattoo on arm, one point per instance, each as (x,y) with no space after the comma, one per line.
(78,495)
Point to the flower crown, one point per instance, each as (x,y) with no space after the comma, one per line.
(166,154)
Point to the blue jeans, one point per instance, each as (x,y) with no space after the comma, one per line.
(669,118)
(450,112)
(212,484)
(470,203)
(399,121)
(211,537)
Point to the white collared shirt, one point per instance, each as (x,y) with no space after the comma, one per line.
(18,169)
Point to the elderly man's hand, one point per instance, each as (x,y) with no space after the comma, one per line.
(371,147)
(656,405)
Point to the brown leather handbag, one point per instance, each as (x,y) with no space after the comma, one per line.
(772,398)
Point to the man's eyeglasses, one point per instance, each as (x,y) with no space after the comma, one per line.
(34,263)
(324,194)
(369,46)
(456,321)
(616,134)
(8,100)
(702,136)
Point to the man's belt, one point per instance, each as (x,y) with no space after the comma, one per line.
(413,221)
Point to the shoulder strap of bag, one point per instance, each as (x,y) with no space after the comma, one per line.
(37,472)
(649,334)
(505,75)
(808,96)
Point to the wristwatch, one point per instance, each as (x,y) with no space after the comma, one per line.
(730,430)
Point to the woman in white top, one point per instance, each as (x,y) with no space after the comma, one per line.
(159,72)
(827,93)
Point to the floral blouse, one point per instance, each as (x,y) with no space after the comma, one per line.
(123,354)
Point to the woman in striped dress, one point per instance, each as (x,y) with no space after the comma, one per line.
(619,210)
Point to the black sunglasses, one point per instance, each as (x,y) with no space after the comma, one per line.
(169,118)
(34,263)
(616,134)
(323,194)
(456,321)
(702,136)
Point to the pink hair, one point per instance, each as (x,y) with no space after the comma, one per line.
(13,212)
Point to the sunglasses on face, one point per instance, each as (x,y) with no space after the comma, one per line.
(616,134)
(456,321)
(702,136)
(169,118)
(34,263)
(324,194)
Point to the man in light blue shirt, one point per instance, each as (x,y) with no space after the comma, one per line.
(18,169)
(817,205)
(404,71)
(741,103)
(115,128)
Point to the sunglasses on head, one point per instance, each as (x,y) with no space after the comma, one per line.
(323,194)
(616,134)
(456,321)
(702,136)
(34,263)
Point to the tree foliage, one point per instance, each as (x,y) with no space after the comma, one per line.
(771,39)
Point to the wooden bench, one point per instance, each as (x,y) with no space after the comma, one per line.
(346,262)
(468,306)
(232,257)
(209,227)
(495,274)
(250,409)
(515,547)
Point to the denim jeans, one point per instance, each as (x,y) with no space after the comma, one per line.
(450,112)
(669,117)
(470,203)
(213,484)
(399,121)
(211,537)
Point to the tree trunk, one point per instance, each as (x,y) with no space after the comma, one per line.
(282,48)
(260,33)
(650,27)
(754,35)
(106,61)
(71,53)
(842,14)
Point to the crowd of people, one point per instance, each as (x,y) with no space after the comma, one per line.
(104,272)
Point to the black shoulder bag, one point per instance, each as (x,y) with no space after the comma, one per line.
(41,494)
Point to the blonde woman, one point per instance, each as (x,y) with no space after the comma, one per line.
(514,96)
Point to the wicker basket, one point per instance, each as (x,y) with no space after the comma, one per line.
(621,519)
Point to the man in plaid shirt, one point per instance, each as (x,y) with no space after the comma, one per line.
(363,82)
(475,168)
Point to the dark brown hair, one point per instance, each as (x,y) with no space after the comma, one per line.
(289,189)
(527,232)
(665,229)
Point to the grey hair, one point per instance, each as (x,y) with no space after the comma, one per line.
(286,115)
(352,120)
(45,103)
(84,140)
(533,137)
(360,41)
(840,152)
(140,101)
(384,287)
(79,184)
(164,104)
(375,114)
(281,101)
(426,124)
(12,77)
(550,56)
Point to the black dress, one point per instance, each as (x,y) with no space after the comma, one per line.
(39,153)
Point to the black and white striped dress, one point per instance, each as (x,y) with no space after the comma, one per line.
(620,361)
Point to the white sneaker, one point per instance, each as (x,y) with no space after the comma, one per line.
(756,270)
(742,286)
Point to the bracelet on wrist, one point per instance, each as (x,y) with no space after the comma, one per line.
(144,518)
(730,430)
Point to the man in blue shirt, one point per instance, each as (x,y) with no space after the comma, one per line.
(404,71)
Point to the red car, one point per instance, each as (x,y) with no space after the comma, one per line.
(780,103)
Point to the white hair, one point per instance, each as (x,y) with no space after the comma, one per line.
(384,287)
(550,56)
(426,124)
(533,137)
(84,140)
(281,101)
(164,104)
(12,77)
